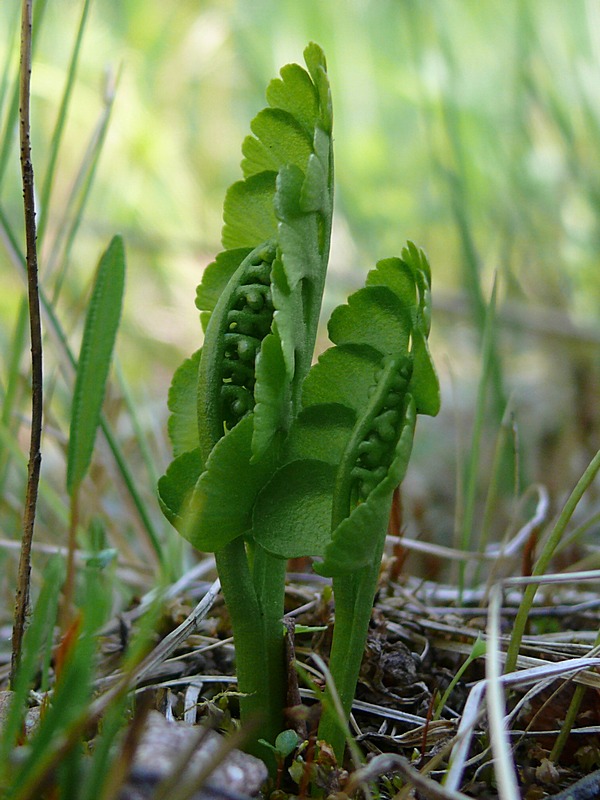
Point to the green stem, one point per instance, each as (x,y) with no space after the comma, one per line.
(252,650)
(354,592)
(269,582)
(353,604)
(12,113)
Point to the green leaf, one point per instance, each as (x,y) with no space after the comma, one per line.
(295,93)
(222,501)
(409,279)
(358,538)
(279,140)
(397,276)
(317,188)
(298,230)
(183,422)
(176,486)
(248,212)
(373,316)
(316,62)
(38,637)
(292,515)
(100,331)
(289,323)
(303,206)
(350,412)
(286,742)
(344,375)
(321,432)
(286,200)
(416,259)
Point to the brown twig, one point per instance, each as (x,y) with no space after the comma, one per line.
(35,457)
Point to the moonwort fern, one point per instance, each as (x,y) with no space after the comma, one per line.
(349,449)
(272,460)
(233,404)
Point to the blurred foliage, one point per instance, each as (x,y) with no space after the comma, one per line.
(471,128)
(496,101)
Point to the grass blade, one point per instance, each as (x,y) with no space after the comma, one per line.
(11,35)
(18,258)
(80,191)
(99,336)
(13,378)
(472,477)
(60,124)
(543,561)
(37,633)
(12,113)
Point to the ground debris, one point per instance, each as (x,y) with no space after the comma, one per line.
(229,773)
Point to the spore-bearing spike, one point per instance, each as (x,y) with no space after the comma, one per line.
(249,320)
(376,451)
(237,401)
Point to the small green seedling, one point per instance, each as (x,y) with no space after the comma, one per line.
(477,651)
(285,744)
(275,459)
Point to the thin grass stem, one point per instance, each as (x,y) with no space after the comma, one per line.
(472,480)
(46,191)
(11,34)
(11,393)
(80,191)
(12,114)
(545,556)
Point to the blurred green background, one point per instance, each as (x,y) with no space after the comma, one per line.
(471,128)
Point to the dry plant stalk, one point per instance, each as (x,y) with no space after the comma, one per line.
(35,456)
